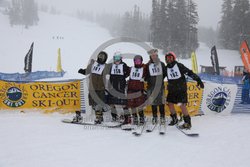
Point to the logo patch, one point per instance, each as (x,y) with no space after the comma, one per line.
(218,99)
(13,95)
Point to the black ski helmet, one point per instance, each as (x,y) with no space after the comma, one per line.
(102,57)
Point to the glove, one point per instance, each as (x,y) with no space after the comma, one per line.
(200,84)
(82,71)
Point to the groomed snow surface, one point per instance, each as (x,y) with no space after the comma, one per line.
(33,139)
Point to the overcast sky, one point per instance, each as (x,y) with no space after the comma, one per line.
(209,10)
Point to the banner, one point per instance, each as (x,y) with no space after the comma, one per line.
(240,107)
(215,61)
(194,63)
(54,96)
(218,98)
(31,76)
(194,100)
(28,59)
(245,55)
(221,79)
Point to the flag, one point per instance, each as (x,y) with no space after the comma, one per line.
(245,55)
(28,59)
(215,62)
(59,63)
(194,63)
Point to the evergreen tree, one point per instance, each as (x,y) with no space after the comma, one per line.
(225,31)
(155,24)
(234,27)
(23,12)
(240,23)
(173,26)
(193,18)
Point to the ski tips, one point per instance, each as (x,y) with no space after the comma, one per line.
(193,135)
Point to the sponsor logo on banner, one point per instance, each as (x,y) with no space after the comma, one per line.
(218,99)
(13,95)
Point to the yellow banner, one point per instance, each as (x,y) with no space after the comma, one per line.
(194,100)
(64,96)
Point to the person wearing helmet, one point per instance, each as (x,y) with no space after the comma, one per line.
(155,86)
(118,71)
(177,88)
(136,96)
(97,71)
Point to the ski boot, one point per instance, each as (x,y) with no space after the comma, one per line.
(141,117)
(78,118)
(115,117)
(174,119)
(162,121)
(99,117)
(127,120)
(135,119)
(187,123)
(154,120)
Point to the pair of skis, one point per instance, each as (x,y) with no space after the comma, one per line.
(137,130)
(162,130)
(105,124)
(140,129)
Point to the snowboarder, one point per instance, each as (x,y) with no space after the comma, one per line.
(177,88)
(136,91)
(97,71)
(118,71)
(155,86)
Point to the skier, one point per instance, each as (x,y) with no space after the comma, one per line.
(245,88)
(118,71)
(155,88)
(97,71)
(136,96)
(177,88)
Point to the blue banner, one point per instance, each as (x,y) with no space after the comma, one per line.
(220,79)
(32,76)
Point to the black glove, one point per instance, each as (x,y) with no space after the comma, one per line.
(82,71)
(200,84)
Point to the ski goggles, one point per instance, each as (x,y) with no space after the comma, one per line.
(169,58)
(117,58)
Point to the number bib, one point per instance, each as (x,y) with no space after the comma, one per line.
(174,73)
(136,73)
(117,69)
(155,70)
(97,68)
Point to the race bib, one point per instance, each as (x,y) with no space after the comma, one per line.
(155,70)
(136,73)
(97,68)
(117,69)
(174,73)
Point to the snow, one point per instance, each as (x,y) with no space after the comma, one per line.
(34,139)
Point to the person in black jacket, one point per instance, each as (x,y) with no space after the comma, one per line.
(118,71)
(177,88)
(97,70)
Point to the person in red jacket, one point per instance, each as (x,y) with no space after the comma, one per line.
(177,88)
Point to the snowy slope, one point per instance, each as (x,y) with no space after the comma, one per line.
(77,40)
